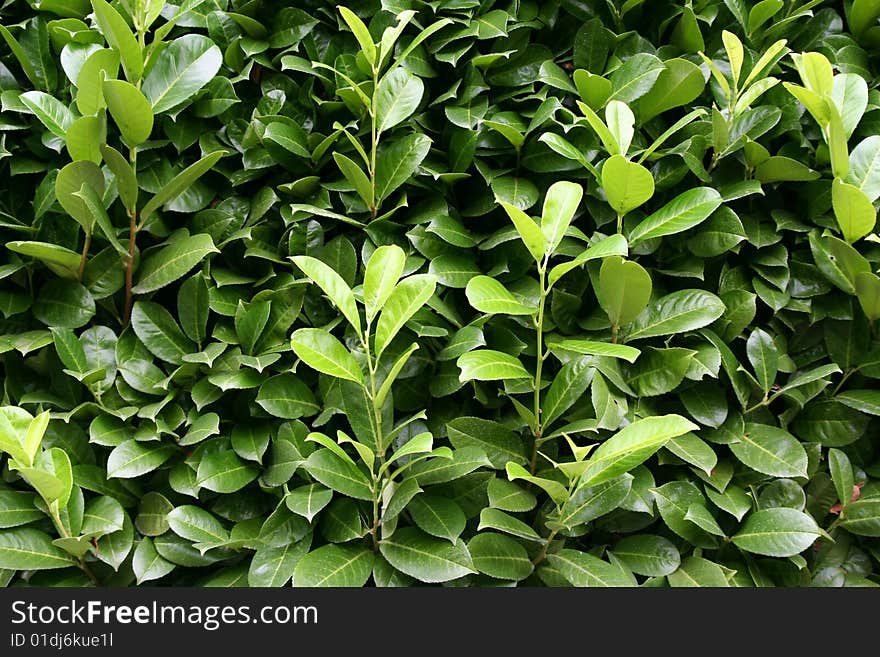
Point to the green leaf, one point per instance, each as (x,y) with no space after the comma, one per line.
(120,37)
(172,262)
(68,184)
(17,508)
(615,245)
(333,285)
(382,273)
(159,333)
(698,572)
(529,231)
(180,70)
(132,459)
(624,289)
(591,502)
(632,445)
(397,97)
(647,554)
(778,532)
(685,310)
(130,110)
(356,176)
(635,77)
(489,296)
(64,304)
(180,183)
(678,85)
(148,564)
(323,352)
(560,205)
(569,385)
(286,396)
(408,297)
(499,556)
(84,138)
(590,348)
(334,565)
(585,570)
(361,33)
(862,517)
(152,517)
(682,213)
(24,548)
(764,357)
(426,558)
(500,444)
(771,451)
(853,210)
(437,516)
(841,474)
(398,162)
(307,501)
(195,524)
(274,565)
(864,167)
(126,181)
(507,496)
(224,472)
(489,365)
(49,110)
(339,474)
(627,184)
(59,259)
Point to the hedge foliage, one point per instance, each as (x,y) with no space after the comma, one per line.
(455,291)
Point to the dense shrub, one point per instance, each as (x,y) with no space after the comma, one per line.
(551,293)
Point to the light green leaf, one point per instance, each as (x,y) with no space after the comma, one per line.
(489,296)
(333,286)
(627,184)
(382,273)
(685,310)
(489,365)
(854,211)
(408,297)
(325,353)
(120,37)
(632,445)
(560,205)
(130,110)
(585,570)
(624,289)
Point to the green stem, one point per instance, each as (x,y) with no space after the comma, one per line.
(539,367)
(615,329)
(85,252)
(620,224)
(132,246)
(374,144)
(543,553)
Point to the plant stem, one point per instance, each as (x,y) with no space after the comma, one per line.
(543,553)
(539,367)
(132,237)
(374,144)
(620,224)
(85,252)
(615,329)
(129,269)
